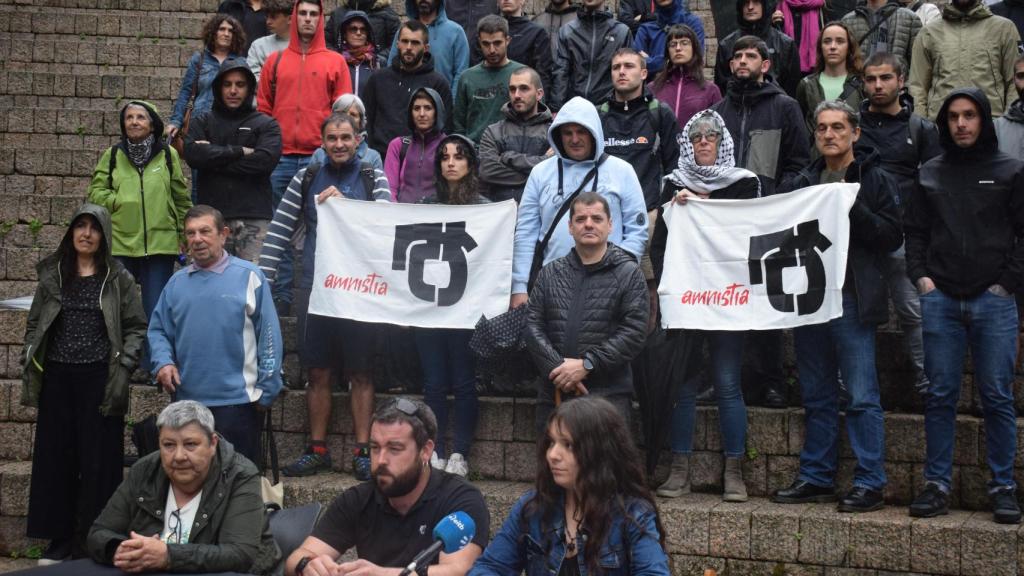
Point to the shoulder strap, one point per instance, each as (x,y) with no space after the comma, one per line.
(273,77)
(852,84)
(543,246)
(195,82)
(170,162)
(368,176)
(307,178)
(406,143)
(112,166)
(877,25)
(652,110)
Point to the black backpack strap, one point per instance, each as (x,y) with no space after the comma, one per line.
(915,130)
(406,143)
(273,76)
(112,166)
(307,178)
(368,174)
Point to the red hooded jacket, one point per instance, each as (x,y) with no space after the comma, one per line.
(298,88)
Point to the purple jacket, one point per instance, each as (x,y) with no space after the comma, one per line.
(412,179)
(684,97)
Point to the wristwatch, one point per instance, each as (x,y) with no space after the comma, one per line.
(587,364)
(302,565)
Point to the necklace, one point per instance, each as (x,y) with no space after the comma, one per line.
(570,543)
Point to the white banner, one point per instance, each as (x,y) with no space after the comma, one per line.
(761,264)
(426,265)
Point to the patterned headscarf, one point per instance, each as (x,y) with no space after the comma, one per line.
(141,152)
(723,173)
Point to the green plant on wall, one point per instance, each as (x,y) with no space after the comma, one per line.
(35,227)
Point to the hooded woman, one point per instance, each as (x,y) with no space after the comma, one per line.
(448,363)
(139,182)
(82,340)
(707,169)
(409,162)
(355,43)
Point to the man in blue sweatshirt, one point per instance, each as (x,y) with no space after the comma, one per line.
(214,335)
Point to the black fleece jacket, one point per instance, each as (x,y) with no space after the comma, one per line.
(387,94)
(966,218)
(782,50)
(229,180)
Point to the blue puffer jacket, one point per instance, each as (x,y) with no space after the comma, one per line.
(632,547)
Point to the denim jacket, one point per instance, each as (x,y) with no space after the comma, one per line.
(207,66)
(540,552)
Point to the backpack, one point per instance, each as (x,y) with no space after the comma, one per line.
(653,105)
(915,132)
(367,175)
(113,164)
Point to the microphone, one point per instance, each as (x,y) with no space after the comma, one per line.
(452,534)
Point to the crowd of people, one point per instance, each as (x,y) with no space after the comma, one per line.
(594,124)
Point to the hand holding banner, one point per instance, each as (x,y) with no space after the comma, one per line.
(767,263)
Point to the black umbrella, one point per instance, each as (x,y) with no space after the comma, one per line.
(658,374)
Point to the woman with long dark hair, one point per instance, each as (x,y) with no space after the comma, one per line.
(448,363)
(82,340)
(681,84)
(837,75)
(590,511)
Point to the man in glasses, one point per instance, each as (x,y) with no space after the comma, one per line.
(390,520)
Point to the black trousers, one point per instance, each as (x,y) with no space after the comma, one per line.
(240,424)
(78,457)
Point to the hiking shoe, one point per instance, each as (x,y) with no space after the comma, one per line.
(437,463)
(58,551)
(361,464)
(457,465)
(931,502)
(308,464)
(1005,509)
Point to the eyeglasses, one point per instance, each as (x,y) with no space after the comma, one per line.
(677,44)
(356,30)
(711,137)
(174,524)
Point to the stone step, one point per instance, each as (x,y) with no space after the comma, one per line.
(755,537)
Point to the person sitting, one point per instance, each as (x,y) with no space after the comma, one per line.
(193,506)
(590,511)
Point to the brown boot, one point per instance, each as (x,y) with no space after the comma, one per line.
(678,482)
(735,489)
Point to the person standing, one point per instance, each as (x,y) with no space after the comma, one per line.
(511,147)
(214,336)
(279,18)
(528,42)
(651,36)
(355,43)
(557,13)
(904,142)
(482,89)
(1010,126)
(754,18)
(966,257)
(926,10)
(846,345)
(409,163)
(235,149)
(252,15)
(584,55)
(884,26)
(139,182)
(949,53)
(446,38)
(836,75)
(83,338)
(384,22)
(681,84)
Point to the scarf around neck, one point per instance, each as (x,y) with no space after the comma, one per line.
(140,153)
(357,56)
(708,179)
(810,28)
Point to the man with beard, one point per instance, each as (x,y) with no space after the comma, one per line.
(510,148)
(446,38)
(528,42)
(388,90)
(769,131)
(970,46)
(482,89)
(390,519)
(754,18)
(904,141)
(1010,128)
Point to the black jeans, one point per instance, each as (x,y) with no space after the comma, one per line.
(241,425)
(78,457)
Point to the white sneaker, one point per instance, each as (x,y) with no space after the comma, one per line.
(457,465)
(437,463)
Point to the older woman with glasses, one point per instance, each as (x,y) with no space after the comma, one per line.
(193,506)
(707,169)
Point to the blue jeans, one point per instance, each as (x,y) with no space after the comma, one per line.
(282,175)
(448,364)
(988,324)
(726,350)
(152,272)
(847,345)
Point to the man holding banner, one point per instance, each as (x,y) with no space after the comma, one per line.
(344,175)
(847,344)
(964,252)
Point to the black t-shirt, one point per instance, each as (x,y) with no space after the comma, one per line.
(362,517)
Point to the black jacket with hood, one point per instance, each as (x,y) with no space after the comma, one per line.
(359,73)
(387,96)
(630,9)
(904,142)
(782,50)
(875,230)
(253,22)
(584,57)
(642,132)
(229,180)
(510,148)
(966,217)
(122,314)
(1012,9)
(384,23)
(597,311)
(768,130)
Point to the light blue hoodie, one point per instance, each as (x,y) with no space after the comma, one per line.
(448,45)
(616,182)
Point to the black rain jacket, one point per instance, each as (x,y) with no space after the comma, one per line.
(782,50)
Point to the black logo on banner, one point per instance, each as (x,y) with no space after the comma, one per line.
(771,253)
(415,244)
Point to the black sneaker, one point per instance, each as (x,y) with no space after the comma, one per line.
(1005,509)
(774,399)
(308,464)
(931,502)
(800,492)
(861,499)
(57,552)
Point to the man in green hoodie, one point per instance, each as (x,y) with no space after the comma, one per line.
(483,89)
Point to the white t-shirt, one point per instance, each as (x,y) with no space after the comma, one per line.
(178,521)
